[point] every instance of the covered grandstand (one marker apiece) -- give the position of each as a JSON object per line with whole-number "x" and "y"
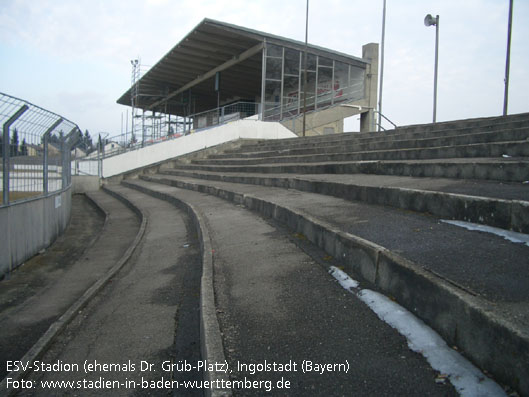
{"x": 221, "y": 72}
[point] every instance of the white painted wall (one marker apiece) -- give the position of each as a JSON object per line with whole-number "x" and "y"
{"x": 248, "y": 129}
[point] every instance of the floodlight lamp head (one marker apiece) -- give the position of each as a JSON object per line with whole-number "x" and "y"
{"x": 429, "y": 20}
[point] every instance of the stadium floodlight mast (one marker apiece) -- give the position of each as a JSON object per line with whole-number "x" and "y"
{"x": 507, "y": 61}
{"x": 431, "y": 21}
{"x": 381, "y": 66}
{"x": 305, "y": 67}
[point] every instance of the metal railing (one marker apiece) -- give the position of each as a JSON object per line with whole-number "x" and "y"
{"x": 35, "y": 149}
{"x": 193, "y": 123}
{"x": 223, "y": 114}
{"x": 292, "y": 107}
{"x": 385, "y": 118}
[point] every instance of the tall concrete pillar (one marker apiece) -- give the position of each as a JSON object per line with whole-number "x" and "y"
{"x": 367, "y": 119}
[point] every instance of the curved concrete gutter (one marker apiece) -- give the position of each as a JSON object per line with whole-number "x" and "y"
{"x": 38, "y": 349}
{"x": 462, "y": 319}
{"x": 212, "y": 349}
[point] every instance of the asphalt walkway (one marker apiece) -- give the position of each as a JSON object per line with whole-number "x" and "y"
{"x": 148, "y": 313}
{"x": 39, "y": 292}
{"x": 275, "y": 303}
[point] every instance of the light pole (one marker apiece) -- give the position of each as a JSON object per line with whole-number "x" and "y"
{"x": 305, "y": 67}
{"x": 381, "y": 66}
{"x": 429, "y": 21}
{"x": 507, "y": 61}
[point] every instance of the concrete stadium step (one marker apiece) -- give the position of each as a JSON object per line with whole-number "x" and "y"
{"x": 275, "y": 303}
{"x": 149, "y": 312}
{"x": 28, "y": 317}
{"x": 402, "y": 133}
{"x": 471, "y": 123}
{"x": 471, "y": 287}
{"x": 496, "y": 204}
{"x": 500, "y": 169}
{"x": 353, "y": 144}
{"x": 497, "y": 150}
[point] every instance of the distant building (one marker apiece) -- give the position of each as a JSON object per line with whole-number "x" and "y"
{"x": 34, "y": 150}
{"x": 77, "y": 153}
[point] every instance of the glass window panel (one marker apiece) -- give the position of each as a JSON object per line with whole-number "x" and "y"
{"x": 311, "y": 62}
{"x": 356, "y": 82}
{"x": 325, "y": 61}
{"x": 273, "y": 68}
{"x": 291, "y": 93}
{"x": 272, "y": 91}
{"x": 274, "y": 50}
{"x": 325, "y": 86}
{"x": 291, "y": 61}
{"x": 272, "y": 98}
{"x": 341, "y": 81}
{"x": 311, "y": 88}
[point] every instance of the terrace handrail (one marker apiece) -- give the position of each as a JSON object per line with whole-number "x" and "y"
{"x": 388, "y": 120}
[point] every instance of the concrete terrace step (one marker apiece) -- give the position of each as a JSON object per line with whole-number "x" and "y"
{"x": 474, "y": 122}
{"x": 376, "y": 141}
{"x": 407, "y": 132}
{"x": 501, "y": 169}
{"x": 521, "y": 135}
{"x": 269, "y": 293}
{"x": 491, "y": 203}
{"x": 498, "y": 150}
{"x": 476, "y": 298}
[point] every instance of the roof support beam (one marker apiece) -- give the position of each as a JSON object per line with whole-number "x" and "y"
{"x": 235, "y": 60}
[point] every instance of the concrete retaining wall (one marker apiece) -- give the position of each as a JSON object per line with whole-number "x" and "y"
{"x": 246, "y": 129}
{"x": 29, "y": 226}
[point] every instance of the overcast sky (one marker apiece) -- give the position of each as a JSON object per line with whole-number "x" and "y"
{"x": 73, "y": 56}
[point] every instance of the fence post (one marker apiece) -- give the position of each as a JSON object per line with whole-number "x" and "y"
{"x": 6, "y": 154}
{"x": 45, "y": 165}
{"x": 71, "y": 139}
{"x": 45, "y": 155}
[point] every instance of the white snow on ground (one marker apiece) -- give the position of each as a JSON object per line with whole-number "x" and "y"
{"x": 345, "y": 281}
{"x": 466, "y": 378}
{"x": 506, "y": 234}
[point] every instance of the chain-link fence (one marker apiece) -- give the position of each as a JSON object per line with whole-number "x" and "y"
{"x": 35, "y": 146}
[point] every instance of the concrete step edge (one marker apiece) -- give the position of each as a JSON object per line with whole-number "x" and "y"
{"x": 501, "y": 213}
{"x": 507, "y": 171}
{"x": 495, "y": 149}
{"x": 521, "y": 120}
{"x": 373, "y": 141}
{"x": 465, "y": 123}
{"x": 490, "y": 341}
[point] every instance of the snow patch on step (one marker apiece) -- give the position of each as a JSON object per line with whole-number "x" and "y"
{"x": 466, "y": 378}
{"x": 514, "y": 237}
